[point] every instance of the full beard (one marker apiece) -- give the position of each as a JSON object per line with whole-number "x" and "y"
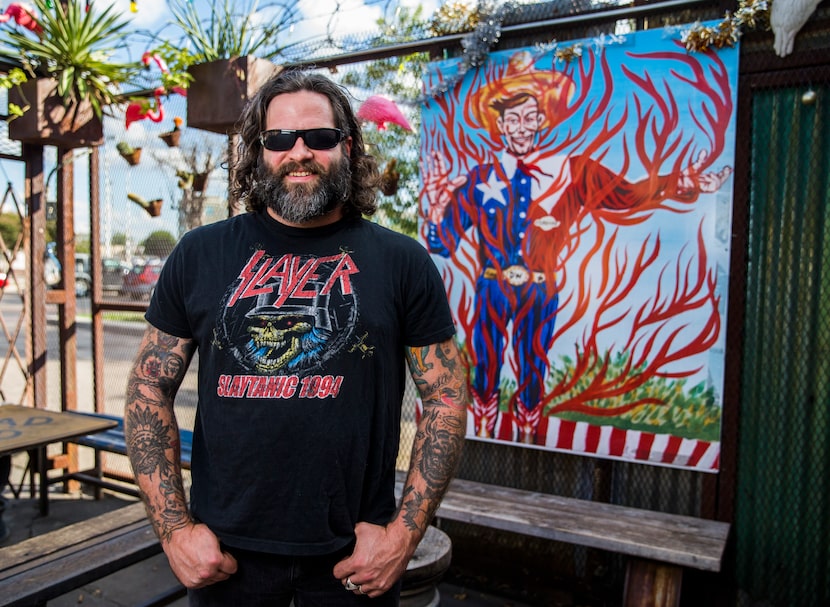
{"x": 301, "y": 202}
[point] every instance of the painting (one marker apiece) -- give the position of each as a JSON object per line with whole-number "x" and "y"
{"x": 577, "y": 199}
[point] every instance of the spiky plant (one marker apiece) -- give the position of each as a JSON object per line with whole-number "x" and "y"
{"x": 233, "y": 29}
{"x": 76, "y": 47}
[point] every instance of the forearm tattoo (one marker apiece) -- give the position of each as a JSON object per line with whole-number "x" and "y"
{"x": 151, "y": 430}
{"x": 440, "y": 374}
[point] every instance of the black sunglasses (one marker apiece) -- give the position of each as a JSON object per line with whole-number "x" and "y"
{"x": 282, "y": 140}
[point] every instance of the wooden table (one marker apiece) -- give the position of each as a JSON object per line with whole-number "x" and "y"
{"x": 30, "y": 429}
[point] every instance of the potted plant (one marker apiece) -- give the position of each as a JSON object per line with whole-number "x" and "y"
{"x": 68, "y": 55}
{"x": 14, "y": 78}
{"x": 198, "y": 168}
{"x": 129, "y": 153}
{"x": 153, "y": 207}
{"x": 230, "y": 51}
{"x": 188, "y": 180}
{"x": 172, "y": 138}
{"x": 389, "y": 178}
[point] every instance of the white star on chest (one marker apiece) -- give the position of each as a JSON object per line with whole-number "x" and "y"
{"x": 493, "y": 189}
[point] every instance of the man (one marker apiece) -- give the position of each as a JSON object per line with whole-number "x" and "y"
{"x": 523, "y": 208}
{"x": 301, "y": 312}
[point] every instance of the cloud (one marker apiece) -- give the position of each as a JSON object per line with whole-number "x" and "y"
{"x": 321, "y": 18}
{"x": 151, "y": 14}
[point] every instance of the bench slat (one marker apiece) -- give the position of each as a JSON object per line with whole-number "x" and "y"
{"x": 113, "y": 441}
{"x": 670, "y": 538}
{"x": 52, "y": 564}
{"x": 47, "y": 566}
{"x": 62, "y": 540}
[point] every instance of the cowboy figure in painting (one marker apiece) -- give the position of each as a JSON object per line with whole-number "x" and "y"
{"x": 523, "y": 206}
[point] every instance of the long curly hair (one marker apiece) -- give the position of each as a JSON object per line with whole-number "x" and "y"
{"x": 365, "y": 177}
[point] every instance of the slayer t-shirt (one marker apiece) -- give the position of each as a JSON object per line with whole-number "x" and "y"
{"x": 301, "y": 336}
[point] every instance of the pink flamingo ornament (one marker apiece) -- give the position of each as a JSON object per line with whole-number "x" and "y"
{"x": 382, "y": 111}
{"x": 24, "y": 16}
{"x": 140, "y": 110}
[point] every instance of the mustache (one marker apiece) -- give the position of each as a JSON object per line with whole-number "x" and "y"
{"x": 311, "y": 166}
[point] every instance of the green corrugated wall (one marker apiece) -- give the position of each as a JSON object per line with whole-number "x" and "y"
{"x": 782, "y": 521}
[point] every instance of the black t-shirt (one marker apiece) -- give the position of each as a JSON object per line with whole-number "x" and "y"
{"x": 301, "y": 336}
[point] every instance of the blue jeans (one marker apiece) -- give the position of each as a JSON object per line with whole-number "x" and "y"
{"x": 270, "y": 580}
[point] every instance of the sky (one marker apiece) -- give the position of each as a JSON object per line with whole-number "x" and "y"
{"x": 339, "y": 17}
{"x": 344, "y": 17}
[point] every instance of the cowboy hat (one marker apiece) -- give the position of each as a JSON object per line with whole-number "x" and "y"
{"x": 552, "y": 91}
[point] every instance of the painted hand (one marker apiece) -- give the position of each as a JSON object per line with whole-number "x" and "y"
{"x": 438, "y": 187}
{"x": 692, "y": 179}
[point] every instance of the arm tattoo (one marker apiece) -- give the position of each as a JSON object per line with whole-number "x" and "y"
{"x": 440, "y": 374}
{"x": 151, "y": 430}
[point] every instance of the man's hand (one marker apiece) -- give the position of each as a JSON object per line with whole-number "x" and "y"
{"x": 379, "y": 558}
{"x": 437, "y": 186}
{"x": 692, "y": 179}
{"x": 196, "y": 558}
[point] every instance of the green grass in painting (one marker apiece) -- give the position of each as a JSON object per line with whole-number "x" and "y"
{"x": 682, "y": 411}
{"x": 689, "y": 415}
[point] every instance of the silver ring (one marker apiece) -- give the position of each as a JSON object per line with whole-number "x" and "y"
{"x": 360, "y": 589}
{"x": 350, "y": 586}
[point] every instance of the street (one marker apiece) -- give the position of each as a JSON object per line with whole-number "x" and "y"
{"x": 121, "y": 342}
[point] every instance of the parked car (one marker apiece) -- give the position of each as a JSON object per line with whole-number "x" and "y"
{"x": 52, "y": 270}
{"x": 112, "y": 275}
{"x": 140, "y": 281}
{"x": 83, "y": 281}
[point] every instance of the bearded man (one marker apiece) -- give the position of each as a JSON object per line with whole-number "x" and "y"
{"x": 304, "y": 315}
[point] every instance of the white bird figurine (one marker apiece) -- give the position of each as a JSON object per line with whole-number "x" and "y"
{"x": 786, "y": 18}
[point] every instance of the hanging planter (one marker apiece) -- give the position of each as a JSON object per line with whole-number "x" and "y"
{"x": 234, "y": 81}
{"x": 129, "y": 153}
{"x": 69, "y": 45}
{"x": 52, "y": 121}
{"x": 172, "y": 138}
{"x": 153, "y": 207}
{"x": 192, "y": 181}
{"x": 133, "y": 158}
{"x": 389, "y": 178}
{"x": 200, "y": 181}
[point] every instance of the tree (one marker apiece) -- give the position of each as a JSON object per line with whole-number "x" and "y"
{"x": 159, "y": 244}
{"x": 398, "y": 78}
{"x": 82, "y": 244}
{"x": 119, "y": 239}
{"x": 10, "y": 228}
{"x": 188, "y": 165}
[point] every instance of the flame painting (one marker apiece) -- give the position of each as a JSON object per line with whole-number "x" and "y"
{"x": 577, "y": 200}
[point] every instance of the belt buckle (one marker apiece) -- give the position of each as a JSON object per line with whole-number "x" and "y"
{"x": 516, "y": 275}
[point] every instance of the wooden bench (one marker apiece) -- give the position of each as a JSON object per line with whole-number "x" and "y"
{"x": 659, "y": 545}
{"x": 113, "y": 441}
{"x": 44, "y": 567}
{"x": 47, "y": 566}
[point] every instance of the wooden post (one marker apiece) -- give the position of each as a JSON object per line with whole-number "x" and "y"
{"x": 35, "y": 286}
{"x": 652, "y": 584}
